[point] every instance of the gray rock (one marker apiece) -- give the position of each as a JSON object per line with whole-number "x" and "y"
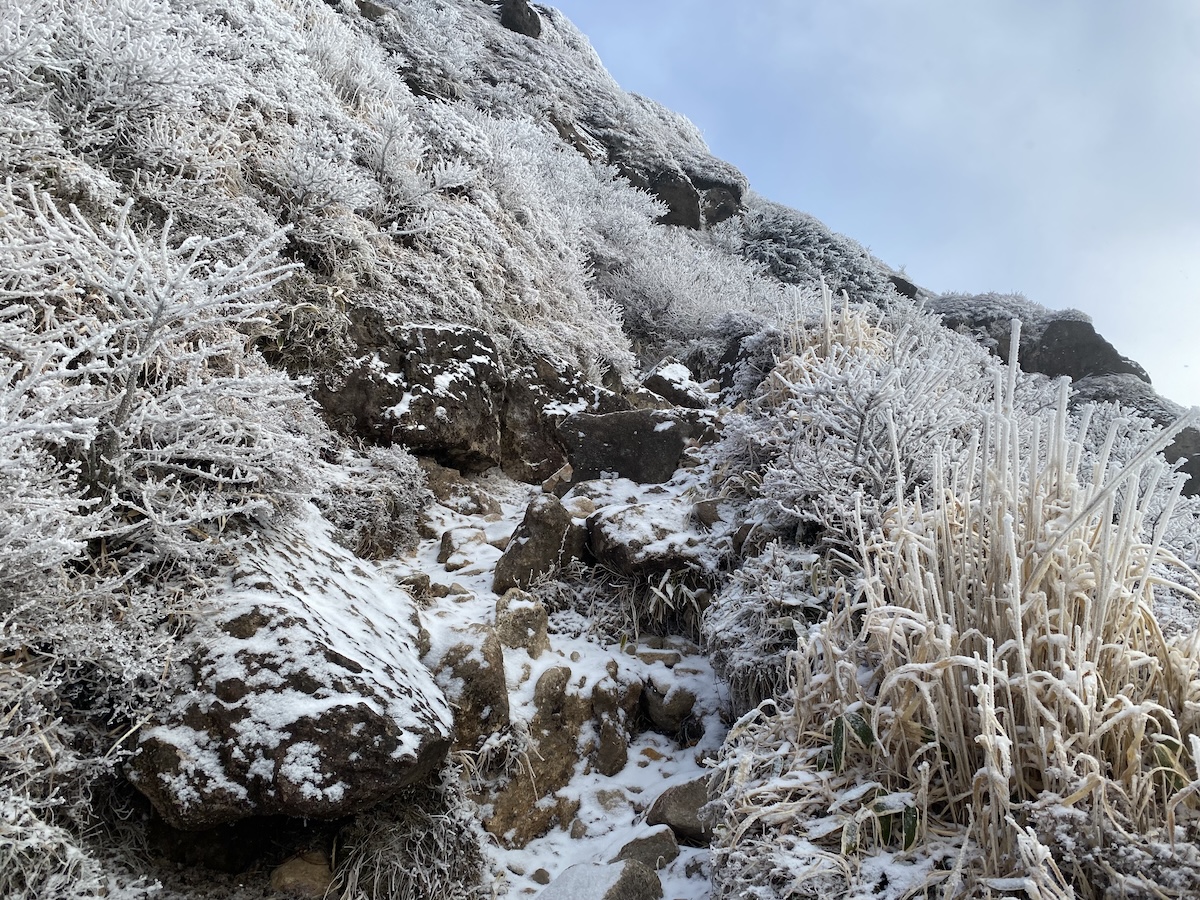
{"x": 667, "y": 709}
{"x": 547, "y": 539}
{"x": 518, "y": 16}
{"x": 626, "y": 880}
{"x": 654, "y": 849}
{"x": 679, "y": 806}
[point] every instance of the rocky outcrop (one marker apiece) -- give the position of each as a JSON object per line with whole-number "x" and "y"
{"x": 437, "y": 389}
{"x": 654, "y": 849}
{"x": 673, "y": 381}
{"x": 298, "y": 706}
{"x": 518, "y": 16}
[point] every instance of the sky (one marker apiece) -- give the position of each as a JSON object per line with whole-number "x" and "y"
{"x": 1046, "y": 148}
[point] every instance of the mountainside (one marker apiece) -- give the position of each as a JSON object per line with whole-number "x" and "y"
{"x": 427, "y": 472}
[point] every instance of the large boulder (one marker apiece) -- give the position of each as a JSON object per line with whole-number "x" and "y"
{"x": 673, "y": 381}
{"x": 438, "y": 389}
{"x": 646, "y": 446}
{"x": 646, "y": 539}
{"x": 307, "y": 698}
{"x": 538, "y": 396}
{"x": 519, "y": 16}
{"x": 547, "y": 539}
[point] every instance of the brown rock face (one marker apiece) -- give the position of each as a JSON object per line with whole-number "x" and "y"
{"x": 472, "y": 674}
{"x": 679, "y": 806}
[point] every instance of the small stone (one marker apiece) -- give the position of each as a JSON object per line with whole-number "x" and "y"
{"x": 669, "y": 658}
{"x": 306, "y": 876}
{"x": 578, "y": 830}
{"x": 540, "y": 876}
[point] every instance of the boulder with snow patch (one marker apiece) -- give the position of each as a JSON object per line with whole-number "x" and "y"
{"x": 647, "y": 539}
{"x": 624, "y": 880}
{"x": 646, "y": 446}
{"x": 537, "y": 397}
{"x": 654, "y": 849}
{"x": 471, "y": 673}
{"x": 521, "y": 623}
{"x": 547, "y": 539}
{"x": 679, "y": 806}
{"x": 527, "y": 806}
{"x": 307, "y": 699}
{"x": 615, "y": 705}
{"x": 460, "y": 547}
{"x": 438, "y": 389}
{"x": 673, "y": 381}
{"x": 666, "y": 704}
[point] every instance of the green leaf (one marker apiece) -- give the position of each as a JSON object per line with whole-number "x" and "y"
{"x": 910, "y": 827}
{"x": 861, "y": 728}
{"x": 839, "y": 745}
{"x": 885, "y": 829}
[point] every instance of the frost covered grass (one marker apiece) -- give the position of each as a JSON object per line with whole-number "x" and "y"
{"x": 990, "y": 704}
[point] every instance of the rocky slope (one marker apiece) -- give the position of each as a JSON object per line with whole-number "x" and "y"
{"x": 426, "y": 471}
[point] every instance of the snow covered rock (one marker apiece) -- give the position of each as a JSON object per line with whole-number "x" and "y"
{"x": 547, "y": 539}
{"x": 521, "y": 622}
{"x": 645, "y": 446}
{"x": 653, "y": 849}
{"x": 537, "y": 397}
{"x": 625, "y": 880}
{"x": 1053, "y": 342}
{"x": 679, "y": 806}
{"x": 673, "y": 381}
{"x": 308, "y": 697}
{"x": 471, "y": 672}
{"x": 645, "y": 539}
{"x": 438, "y": 389}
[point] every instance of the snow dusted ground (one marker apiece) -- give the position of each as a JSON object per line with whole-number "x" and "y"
{"x": 611, "y": 809}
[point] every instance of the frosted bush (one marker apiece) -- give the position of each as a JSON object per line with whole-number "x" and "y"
{"x": 996, "y": 662}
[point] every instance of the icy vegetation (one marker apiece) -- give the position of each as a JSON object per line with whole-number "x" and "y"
{"x": 896, "y": 620}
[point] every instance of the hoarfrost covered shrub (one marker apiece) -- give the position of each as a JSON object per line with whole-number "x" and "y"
{"x": 375, "y": 499}
{"x": 857, "y": 396}
{"x": 801, "y": 250}
{"x": 992, "y": 707}
{"x": 426, "y": 844}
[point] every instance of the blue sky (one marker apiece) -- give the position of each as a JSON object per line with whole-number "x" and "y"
{"x": 1014, "y": 145}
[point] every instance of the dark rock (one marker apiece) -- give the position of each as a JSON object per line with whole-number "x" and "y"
{"x": 682, "y": 200}
{"x": 296, "y": 706}
{"x": 472, "y": 675}
{"x": 547, "y": 539}
{"x": 518, "y": 16}
{"x": 679, "y": 806}
{"x": 625, "y": 880}
{"x": 371, "y": 10}
{"x": 904, "y": 287}
{"x": 521, "y": 622}
{"x": 720, "y": 199}
{"x": 644, "y": 539}
{"x": 642, "y": 445}
{"x": 438, "y": 389}
{"x": 538, "y": 396}
{"x": 654, "y": 849}
{"x": 667, "y": 706}
{"x": 1072, "y": 347}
